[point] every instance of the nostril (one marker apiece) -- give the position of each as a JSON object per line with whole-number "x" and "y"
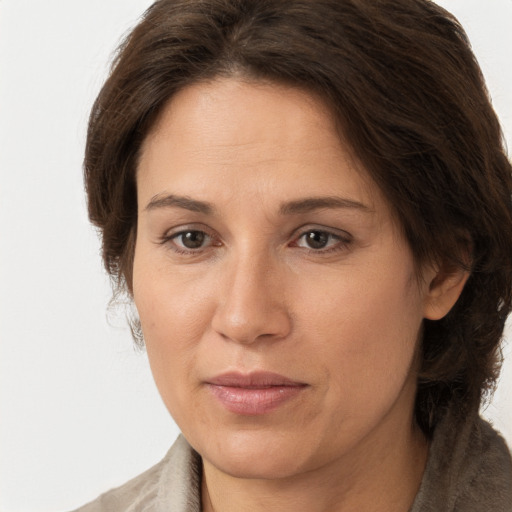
{"x": 251, "y": 324}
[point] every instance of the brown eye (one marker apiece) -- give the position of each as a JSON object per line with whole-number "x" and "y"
{"x": 323, "y": 241}
{"x": 317, "y": 239}
{"x": 191, "y": 239}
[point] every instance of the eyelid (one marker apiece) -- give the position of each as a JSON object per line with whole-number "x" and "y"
{"x": 307, "y": 228}
{"x": 181, "y": 228}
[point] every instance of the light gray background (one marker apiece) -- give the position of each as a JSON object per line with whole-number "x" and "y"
{"x": 79, "y": 411}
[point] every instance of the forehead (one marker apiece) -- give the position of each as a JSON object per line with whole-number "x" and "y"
{"x": 227, "y": 101}
{"x": 254, "y": 135}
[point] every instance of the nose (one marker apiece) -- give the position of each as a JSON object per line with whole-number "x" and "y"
{"x": 252, "y": 302}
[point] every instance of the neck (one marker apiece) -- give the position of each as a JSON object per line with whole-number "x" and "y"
{"x": 376, "y": 476}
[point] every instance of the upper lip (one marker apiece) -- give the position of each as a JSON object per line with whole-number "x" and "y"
{"x": 253, "y": 380}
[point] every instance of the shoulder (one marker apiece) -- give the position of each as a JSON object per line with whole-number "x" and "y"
{"x": 171, "y": 485}
{"x": 469, "y": 469}
{"x": 488, "y": 472}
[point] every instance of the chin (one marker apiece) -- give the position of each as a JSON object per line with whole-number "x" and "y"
{"x": 255, "y": 455}
{"x": 264, "y": 467}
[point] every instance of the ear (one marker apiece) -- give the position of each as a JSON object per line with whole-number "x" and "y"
{"x": 444, "y": 289}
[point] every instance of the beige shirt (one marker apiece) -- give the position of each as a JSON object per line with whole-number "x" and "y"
{"x": 469, "y": 469}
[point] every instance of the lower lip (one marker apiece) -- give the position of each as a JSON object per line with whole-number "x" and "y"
{"x": 254, "y": 401}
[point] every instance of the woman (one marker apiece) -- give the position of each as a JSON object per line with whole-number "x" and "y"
{"x": 309, "y": 204}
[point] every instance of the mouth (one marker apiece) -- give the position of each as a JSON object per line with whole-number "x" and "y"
{"x": 255, "y": 393}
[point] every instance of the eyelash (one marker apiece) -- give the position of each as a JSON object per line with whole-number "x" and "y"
{"x": 342, "y": 241}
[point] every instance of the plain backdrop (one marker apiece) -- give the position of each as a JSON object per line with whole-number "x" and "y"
{"x": 79, "y": 412}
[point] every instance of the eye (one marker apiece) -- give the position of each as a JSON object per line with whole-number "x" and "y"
{"x": 191, "y": 239}
{"x": 321, "y": 240}
{"x": 316, "y": 239}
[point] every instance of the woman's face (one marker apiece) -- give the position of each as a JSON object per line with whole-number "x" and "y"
{"x": 278, "y": 299}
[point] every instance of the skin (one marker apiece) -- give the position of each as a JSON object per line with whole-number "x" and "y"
{"x": 343, "y": 316}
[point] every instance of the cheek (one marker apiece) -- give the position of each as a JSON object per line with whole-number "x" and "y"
{"x": 169, "y": 300}
{"x": 366, "y": 330}
{"x": 174, "y": 312}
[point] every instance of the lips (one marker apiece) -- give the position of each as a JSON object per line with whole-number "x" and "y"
{"x": 255, "y": 393}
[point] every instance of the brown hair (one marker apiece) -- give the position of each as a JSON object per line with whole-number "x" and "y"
{"x": 400, "y": 77}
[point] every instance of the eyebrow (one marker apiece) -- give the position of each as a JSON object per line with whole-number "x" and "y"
{"x": 296, "y": 207}
{"x": 185, "y": 202}
{"x": 310, "y": 204}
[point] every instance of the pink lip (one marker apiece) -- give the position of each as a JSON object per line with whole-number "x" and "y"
{"x": 255, "y": 393}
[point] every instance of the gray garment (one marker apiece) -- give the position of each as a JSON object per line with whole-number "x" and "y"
{"x": 469, "y": 469}
{"x": 172, "y": 485}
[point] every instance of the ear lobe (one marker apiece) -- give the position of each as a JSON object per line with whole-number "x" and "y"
{"x": 444, "y": 290}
